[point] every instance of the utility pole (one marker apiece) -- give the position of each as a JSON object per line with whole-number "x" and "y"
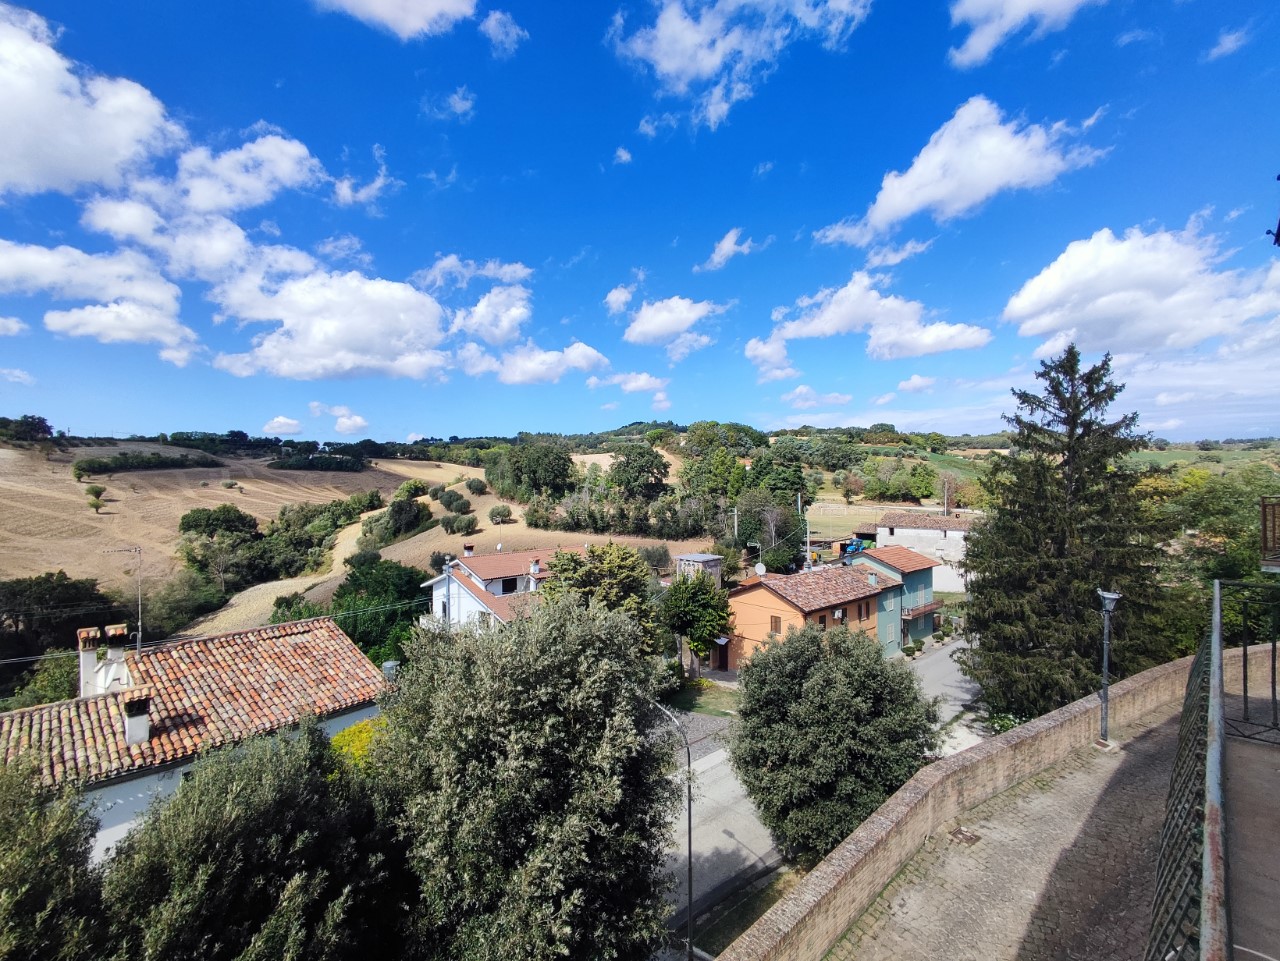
{"x": 735, "y": 524}
{"x": 138, "y": 571}
{"x": 808, "y": 555}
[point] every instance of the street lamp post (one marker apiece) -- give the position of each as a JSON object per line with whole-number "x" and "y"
{"x": 1109, "y": 600}
{"x": 688, "y": 753}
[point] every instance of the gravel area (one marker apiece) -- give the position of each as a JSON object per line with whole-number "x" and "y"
{"x": 704, "y": 731}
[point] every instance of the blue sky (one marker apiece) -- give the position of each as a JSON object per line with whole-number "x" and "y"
{"x": 390, "y": 218}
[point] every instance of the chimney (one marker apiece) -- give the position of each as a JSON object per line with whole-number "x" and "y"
{"x": 87, "y": 638}
{"x": 468, "y": 550}
{"x": 390, "y": 669}
{"x": 137, "y": 716}
{"x": 534, "y": 568}
{"x": 113, "y": 675}
{"x": 871, "y": 578}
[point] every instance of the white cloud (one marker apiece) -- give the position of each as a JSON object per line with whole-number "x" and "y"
{"x": 15, "y": 376}
{"x": 530, "y": 364}
{"x": 1162, "y": 292}
{"x": 246, "y": 176}
{"x": 452, "y": 270}
{"x": 333, "y": 325}
{"x": 991, "y": 22}
{"x": 805, "y": 397}
{"x": 504, "y": 34}
{"x": 895, "y": 326}
{"x": 883, "y": 399}
{"x": 622, "y": 156}
{"x": 344, "y": 247}
{"x": 405, "y": 18}
{"x": 10, "y": 326}
{"x": 633, "y": 383}
{"x": 651, "y": 126}
{"x": 282, "y": 425}
{"x": 890, "y": 256}
{"x": 459, "y": 105}
{"x": 668, "y": 321}
{"x": 497, "y": 317}
{"x": 715, "y": 51}
{"x": 617, "y": 299}
{"x": 763, "y": 168}
{"x": 1134, "y": 36}
{"x": 347, "y": 421}
{"x": 1229, "y": 41}
{"x": 661, "y": 401}
{"x": 412, "y": 437}
{"x": 1165, "y": 398}
{"x": 65, "y": 126}
{"x": 917, "y": 383}
{"x": 968, "y": 160}
{"x": 612, "y": 405}
{"x": 123, "y": 219}
{"x": 727, "y": 248}
{"x": 134, "y": 302}
{"x": 346, "y": 193}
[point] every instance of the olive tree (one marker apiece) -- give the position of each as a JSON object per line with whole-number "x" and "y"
{"x": 827, "y": 730}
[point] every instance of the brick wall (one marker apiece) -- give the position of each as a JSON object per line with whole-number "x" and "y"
{"x": 804, "y": 925}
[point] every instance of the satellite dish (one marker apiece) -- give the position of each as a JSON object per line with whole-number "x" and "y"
{"x": 499, "y": 548}
{"x": 760, "y": 569}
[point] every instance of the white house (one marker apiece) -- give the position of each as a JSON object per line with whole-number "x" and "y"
{"x": 940, "y": 536}
{"x": 481, "y": 588}
{"x": 142, "y": 717}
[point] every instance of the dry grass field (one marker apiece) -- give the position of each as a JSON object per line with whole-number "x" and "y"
{"x": 47, "y": 525}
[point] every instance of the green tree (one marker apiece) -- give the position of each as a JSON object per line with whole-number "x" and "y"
{"x": 54, "y": 679}
{"x": 697, "y": 610}
{"x": 96, "y": 503}
{"x": 614, "y": 576}
{"x": 50, "y": 897}
{"x": 223, "y": 519}
{"x": 531, "y": 770}
{"x": 539, "y": 467}
{"x": 776, "y": 528}
{"x": 639, "y": 471}
{"x": 268, "y": 850}
{"x": 413, "y": 487}
{"x": 1064, "y": 520}
{"x": 95, "y": 490}
{"x": 828, "y": 729}
{"x": 499, "y": 514}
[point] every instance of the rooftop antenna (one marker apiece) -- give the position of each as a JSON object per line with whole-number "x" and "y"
{"x": 1275, "y": 234}
{"x": 138, "y": 551}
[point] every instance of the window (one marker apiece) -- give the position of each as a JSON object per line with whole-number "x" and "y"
{"x": 508, "y": 585}
{"x": 775, "y": 624}
{"x": 890, "y": 531}
{"x": 842, "y": 613}
{"x": 822, "y": 622}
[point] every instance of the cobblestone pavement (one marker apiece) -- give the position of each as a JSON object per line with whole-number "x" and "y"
{"x": 1061, "y": 866}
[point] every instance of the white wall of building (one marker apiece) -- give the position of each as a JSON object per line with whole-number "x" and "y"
{"x": 948, "y": 549}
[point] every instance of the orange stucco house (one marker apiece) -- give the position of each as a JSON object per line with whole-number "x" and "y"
{"x": 761, "y": 607}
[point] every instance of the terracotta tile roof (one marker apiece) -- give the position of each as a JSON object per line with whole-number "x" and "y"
{"x": 902, "y": 559}
{"x": 821, "y": 588}
{"x": 926, "y": 521}
{"x": 487, "y": 567}
{"x": 204, "y": 692}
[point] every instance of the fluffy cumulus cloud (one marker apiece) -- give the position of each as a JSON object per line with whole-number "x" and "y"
{"x": 130, "y": 300}
{"x": 336, "y": 324}
{"x": 971, "y": 158}
{"x": 405, "y": 18}
{"x": 727, "y": 248}
{"x": 668, "y": 322}
{"x": 85, "y": 129}
{"x": 991, "y": 22}
{"x": 281, "y": 425}
{"x": 636, "y": 383}
{"x": 1160, "y": 293}
{"x": 805, "y": 397}
{"x": 714, "y": 52}
{"x": 346, "y": 421}
{"x": 10, "y": 326}
{"x": 451, "y": 270}
{"x": 895, "y": 327}
{"x": 616, "y": 300}
{"x": 622, "y": 156}
{"x": 917, "y": 383}
{"x": 247, "y": 176}
{"x": 503, "y": 33}
{"x": 497, "y": 317}
{"x": 529, "y": 363}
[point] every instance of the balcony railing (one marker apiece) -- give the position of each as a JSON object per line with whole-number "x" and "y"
{"x": 910, "y": 613}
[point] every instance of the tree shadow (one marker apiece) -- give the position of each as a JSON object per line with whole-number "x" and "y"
{"x": 717, "y": 875}
{"x": 1096, "y": 903}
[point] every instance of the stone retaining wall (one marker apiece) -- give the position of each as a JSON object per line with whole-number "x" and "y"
{"x": 805, "y": 924}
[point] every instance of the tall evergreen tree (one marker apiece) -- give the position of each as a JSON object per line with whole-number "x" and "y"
{"x": 1064, "y": 520}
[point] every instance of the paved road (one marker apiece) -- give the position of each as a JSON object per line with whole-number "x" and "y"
{"x": 940, "y": 677}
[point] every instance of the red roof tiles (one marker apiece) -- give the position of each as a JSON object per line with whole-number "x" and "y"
{"x": 821, "y": 588}
{"x": 204, "y": 692}
{"x": 487, "y": 567}
{"x": 926, "y": 521}
{"x": 902, "y": 559}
